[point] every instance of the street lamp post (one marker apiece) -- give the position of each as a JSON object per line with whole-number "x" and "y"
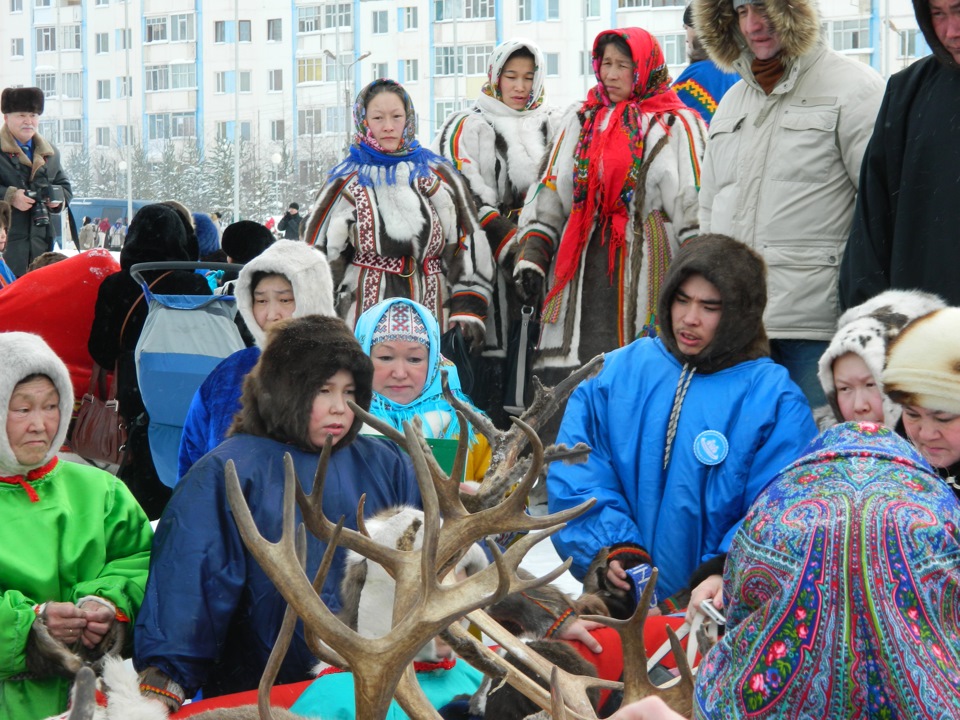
{"x": 343, "y": 71}
{"x": 276, "y": 159}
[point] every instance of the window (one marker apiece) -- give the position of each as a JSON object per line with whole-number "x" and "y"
{"x": 183, "y": 125}
{"x": 48, "y": 83}
{"x": 586, "y": 63}
{"x": 444, "y": 61}
{"x": 246, "y": 78}
{"x": 309, "y": 69}
{"x": 308, "y": 121}
{"x": 49, "y": 130}
{"x": 275, "y": 78}
{"x": 124, "y": 133}
{"x": 593, "y": 8}
{"x": 70, "y": 37}
{"x": 158, "y": 126}
{"x": 442, "y": 109}
{"x": 476, "y": 57}
{"x": 72, "y": 87}
{"x": 220, "y": 31}
{"x": 16, "y": 6}
{"x": 72, "y": 131}
{"x": 103, "y": 89}
{"x": 331, "y": 67}
{"x": 411, "y": 70}
{"x": 222, "y": 130}
{"x": 41, "y": 3}
{"x": 245, "y": 31}
{"x": 474, "y": 9}
{"x": 411, "y": 19}
{"x": 46, "y": 39}
{"x": 156, "y": 30}
{"x": 380, "y": 22}
{"x": 245, "y": 131}
{"x": 337, "y": 15}
{"x": 182, "y": 28}
{"x": 156, "y": 77}
{"x": 851, "y": 34}
{"x": 276, "y": 130}
{"x": 553, "y": 9}
{"x": 308, "y": 18}
{"x": 103, "y": 136}
{"x": 908, "y": 43}
{"x": 102, "y": 43}
{"x": 102, "y": 3}
{"x": 183, "y": 76}
{"x": 275, "y": 30}
{"x": 552, "y": 61}
{"x": 124, "y": 86}
{"x": 223, "y": 81}
{"x": 380, "y": 71}
{"x": 674, "y": 48}
{"x": 650, "y": 3}
{"x": 16, "y": 47}
{"x": 308, "y": 172}
{"x": 524, "y": 10}
{"x": 124, "y": 39}
{"x": 335, "y": 122}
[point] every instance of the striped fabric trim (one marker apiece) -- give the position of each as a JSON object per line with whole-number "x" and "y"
{"x": 694, "y": 160}
{"x": 455, "y": 156}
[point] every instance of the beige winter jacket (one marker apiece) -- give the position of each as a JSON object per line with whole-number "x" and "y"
{"x": 781, "y": 171}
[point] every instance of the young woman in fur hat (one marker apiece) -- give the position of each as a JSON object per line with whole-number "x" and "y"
{"x": 617, "y": 197}
{"x": 396, "y": 220}
{"x": 923, "y": 376}
{"x": 76, "y": 545}
{"x": 288, "y": 279}
{"x": 211, "y": 615}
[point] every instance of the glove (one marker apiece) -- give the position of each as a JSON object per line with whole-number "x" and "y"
{"x": 529, "y": 286}
{"x": 475, "y": 336}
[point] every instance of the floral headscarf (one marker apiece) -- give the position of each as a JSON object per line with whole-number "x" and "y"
{"x": 498, "y": 58}
{"x": 607, "y": 160}
{"x": 431, "y": 398}
{"x": 843, "y": 585}
{"x": 374, "y": 165}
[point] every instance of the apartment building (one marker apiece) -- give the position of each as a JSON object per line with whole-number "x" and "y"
{"x": 284, "y": 75}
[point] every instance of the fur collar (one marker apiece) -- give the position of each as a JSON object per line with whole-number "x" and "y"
{"x": 25, "y": 354}
{"x": 304, "y": 268}
{"x": 41, "y": 150}
{"x": 797, "y": 22}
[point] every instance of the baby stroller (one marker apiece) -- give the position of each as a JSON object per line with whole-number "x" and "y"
{"x": 184, "y": 338}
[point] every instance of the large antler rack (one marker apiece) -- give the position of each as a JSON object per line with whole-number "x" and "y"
{"x": 423, "y": 607}
{"x": 506, "y": 465}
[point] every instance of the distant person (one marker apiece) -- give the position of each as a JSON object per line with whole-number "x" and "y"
{"x": 88, "y": 235}
{"x": 702, "y": 83}
{"x": 289, "y": 224}
{"x": 118, "y": 234}
{"x": 29, "y": 164}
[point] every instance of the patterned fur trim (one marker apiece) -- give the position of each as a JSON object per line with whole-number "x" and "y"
{"x": 797, "y": 22}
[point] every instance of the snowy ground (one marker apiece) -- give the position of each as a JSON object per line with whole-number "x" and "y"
{"x": 542, "y": 558}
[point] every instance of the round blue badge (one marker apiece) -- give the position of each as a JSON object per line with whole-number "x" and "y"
{"x": 711, "y": 447}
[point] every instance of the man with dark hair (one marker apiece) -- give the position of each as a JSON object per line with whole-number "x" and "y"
{"x": 905, "y": 224}
{"x": 703, "y": 82}
{"x": 31, "y": 178}
{"x": 289, "y": 224}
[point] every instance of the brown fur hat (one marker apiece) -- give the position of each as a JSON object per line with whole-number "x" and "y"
{"x": 718, "y": 28}
{"x": 301, "y": 355}
{"x": 740, "y": 276}
{"x": 6, "y": 213}
{"x": 923, "y": 363}
{"x": 14, "y": 100}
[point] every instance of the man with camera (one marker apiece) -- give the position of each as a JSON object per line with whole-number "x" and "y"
{"x": 31, "y": 178}
{"x": 289, "y": 224}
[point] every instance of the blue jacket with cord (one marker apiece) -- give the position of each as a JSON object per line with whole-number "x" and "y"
{"x": 688, "y": 512}
{"x": 211, "y": 615}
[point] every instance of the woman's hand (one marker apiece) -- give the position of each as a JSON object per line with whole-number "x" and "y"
{"x": 580, "y": 630}
{"x": 651, "y": 708}
{"x": 65, "y": 621}
{"x": 100, "y": 619}
{"x": 529, "y": 286}
{"x": 473, "y": 333}
{"x": 710, "y": 590}
{"x": 617, "y": 576}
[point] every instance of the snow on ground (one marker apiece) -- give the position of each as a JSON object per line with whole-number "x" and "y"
{"x": 543, "y": 558}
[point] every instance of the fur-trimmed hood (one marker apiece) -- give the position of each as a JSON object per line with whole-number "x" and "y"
{"x": 304, "y": 267}
{"x": 796, "y": 21}
{"x": 26, "y": 354}
{"x": 923, "y": 363}
{"x": 301, "y": 355}
{"x": 866, "y": 330}
{"x": 740, "y": 276}
{"x": 922, "y": 10}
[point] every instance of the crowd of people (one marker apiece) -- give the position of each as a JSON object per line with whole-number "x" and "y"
{"x": 760, "y": 251}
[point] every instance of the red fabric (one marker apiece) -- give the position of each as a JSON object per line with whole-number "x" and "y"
{"x": 607, "y": 161}
{"x": 34, "y": 474}
{"x": 280, "y": 696}
{"x": 57, "y": 302}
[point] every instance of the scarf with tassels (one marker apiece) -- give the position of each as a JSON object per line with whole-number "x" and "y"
{"x": 609, "y": 152}
{"x": 25, "y": 480}
{"x": 369, "y": 161}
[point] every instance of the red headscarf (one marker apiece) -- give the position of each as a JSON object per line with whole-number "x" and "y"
{"x": 607, "y": 161}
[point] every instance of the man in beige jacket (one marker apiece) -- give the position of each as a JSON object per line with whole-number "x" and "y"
{"x": 782, "y": 163}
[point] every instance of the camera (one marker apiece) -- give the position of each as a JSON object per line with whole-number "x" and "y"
{"x": 44, "y": 196}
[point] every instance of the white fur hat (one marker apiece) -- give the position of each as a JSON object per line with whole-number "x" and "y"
{"x": 306, "y": 270}
{"x": 23, "y": 355}
{"x": 866, "y": 330}
{"x": 923, "y": 363}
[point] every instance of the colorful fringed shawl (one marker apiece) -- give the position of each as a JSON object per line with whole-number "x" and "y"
{"x": 842, "y": 588}
{"x": 371, "y": 163}
{"x": 609, "y": 152}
